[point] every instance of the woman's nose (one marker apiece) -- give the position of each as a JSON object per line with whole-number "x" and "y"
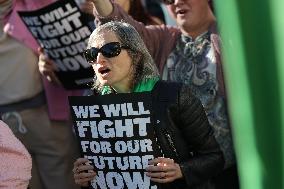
{"x": 100, "y": 58}
{"x": 177, "y": 2}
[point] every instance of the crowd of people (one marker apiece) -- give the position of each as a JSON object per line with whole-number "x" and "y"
{"x": 131, "y": 50}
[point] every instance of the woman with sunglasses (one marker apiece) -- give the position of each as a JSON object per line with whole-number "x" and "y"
{"x": 122, "y": 64}
{"x": 191, "y": 54}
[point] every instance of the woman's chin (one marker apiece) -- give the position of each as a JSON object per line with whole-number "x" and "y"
{"x": 104, "y": 82}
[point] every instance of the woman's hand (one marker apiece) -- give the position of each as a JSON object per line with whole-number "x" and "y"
{"x": 47, "y": 67}
{"x": 83, "y": 172}
{"x": 163, "y": 170}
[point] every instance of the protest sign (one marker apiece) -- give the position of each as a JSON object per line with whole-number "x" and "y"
{"x": 63, "y": 31}
{"x": 116, "y": 133}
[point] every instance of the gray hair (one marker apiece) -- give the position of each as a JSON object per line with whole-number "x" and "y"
{"x": 144, "y": 67}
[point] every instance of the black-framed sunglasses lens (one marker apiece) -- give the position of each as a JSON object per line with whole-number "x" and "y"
{"x": 109, "y": 50}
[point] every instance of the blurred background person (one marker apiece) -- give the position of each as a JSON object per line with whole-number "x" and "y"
{"x": 15, "y": 161}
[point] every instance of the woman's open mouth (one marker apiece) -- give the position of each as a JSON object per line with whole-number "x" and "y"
{"x": 181, "y": 12}
{"x": 104, "y": 71}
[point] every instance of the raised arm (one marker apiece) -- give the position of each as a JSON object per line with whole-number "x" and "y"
{"x": 103, "y": 7}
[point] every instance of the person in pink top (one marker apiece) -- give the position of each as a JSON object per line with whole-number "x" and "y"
{"x": 15, "y": 161}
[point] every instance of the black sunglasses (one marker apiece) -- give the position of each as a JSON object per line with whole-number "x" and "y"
{"x": 109, "y": 50}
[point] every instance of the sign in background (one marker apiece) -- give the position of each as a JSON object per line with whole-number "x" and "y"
{"x": 63, "y": 31}
{"x": 253, "y": 49}
{"x": 116, "y": 134}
